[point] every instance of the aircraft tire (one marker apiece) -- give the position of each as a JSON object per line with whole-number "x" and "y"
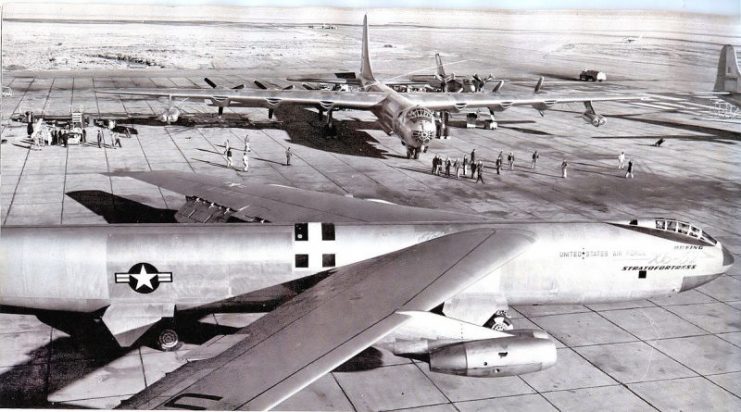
{"x": 168, "y": 340}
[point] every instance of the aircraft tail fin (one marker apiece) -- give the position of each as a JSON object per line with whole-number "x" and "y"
{"x": 366, "y": 73}
{"x": 728, "y": 78}
{"x": 440, "y": 67}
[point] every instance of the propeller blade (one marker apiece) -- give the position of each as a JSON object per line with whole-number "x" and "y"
{"x": 308, "y": 86}
{"x": 210, "y": 83}
{"x": 270, "y": 113}
{"x": 238, "y": 87}
{"x": 498, "y": 87}
{"x": 539, "y": 85}
{"x": 288, "y": 87}
{"x": 221, "y": 110}
{"x": 261, "y": 85}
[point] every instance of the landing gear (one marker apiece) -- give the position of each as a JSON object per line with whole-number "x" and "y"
{"x": 500, "y": 321}
{"x": 330, "y": 130}
{"x": 442, "y": 130}
{"x": 413, "y": 153}
{"x": 167, "y": 340}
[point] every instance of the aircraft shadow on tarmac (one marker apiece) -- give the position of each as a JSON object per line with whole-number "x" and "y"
{"x": 66, "y": 360}
{"x": 117, "y": 209}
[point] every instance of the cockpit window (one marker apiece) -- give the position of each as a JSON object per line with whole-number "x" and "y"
{"x": 660, "y": 224}
{"x": 670, "y": 225}
{"x": 684, "y": 228}
{"x": 420, "y": 112}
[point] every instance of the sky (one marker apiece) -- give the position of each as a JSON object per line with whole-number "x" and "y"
{"x": 725, "y": 7}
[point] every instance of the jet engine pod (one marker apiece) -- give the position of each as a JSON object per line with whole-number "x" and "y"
{"x": 594, "y": 119}
{"x": 506, "y": 356}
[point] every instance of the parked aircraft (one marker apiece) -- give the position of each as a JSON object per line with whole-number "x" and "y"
{"x": 427, "y": 284}
{"x": 728, "y": 79}
{"x": 410, "y": 116}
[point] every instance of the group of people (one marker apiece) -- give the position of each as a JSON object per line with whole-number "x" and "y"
{"x": 438, "y": 164}
{"x": 245, "y": 155}
{"x": 477, "y": 168}
{"x": 115, "y": 139}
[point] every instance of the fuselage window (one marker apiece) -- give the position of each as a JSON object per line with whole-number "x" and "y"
{"x": 301, "y": 231}
{"x": 328, "y": 231}
{"x": 641, "y": 274}
{"x": 328, "y": 260}
{"x": 302, "y": 261}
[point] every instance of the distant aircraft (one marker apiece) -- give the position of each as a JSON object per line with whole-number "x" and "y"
{"x": 449, "y": 82}
{"x": 423, "y": 283}
{"x": 728, "y": 79}
{"x": 410, "y": 116}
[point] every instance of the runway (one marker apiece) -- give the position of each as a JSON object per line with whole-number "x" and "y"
{"x": 671, "y": 353}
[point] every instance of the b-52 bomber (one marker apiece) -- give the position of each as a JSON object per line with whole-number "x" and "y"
{"x": 411, "y": 116}
{"x": 346, "y": 274}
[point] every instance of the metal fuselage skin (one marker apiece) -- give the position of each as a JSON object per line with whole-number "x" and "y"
{"x": 393, "y": 114}
{"x": 85, "y": 268}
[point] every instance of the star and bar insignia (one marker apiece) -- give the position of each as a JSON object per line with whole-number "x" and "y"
{"x": 143, "y": 278}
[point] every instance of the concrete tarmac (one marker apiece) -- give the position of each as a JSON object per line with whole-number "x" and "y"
{"x": 671, "y": 353}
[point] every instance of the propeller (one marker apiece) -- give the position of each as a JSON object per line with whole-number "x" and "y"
{"x": 498, "y": 87}
{"x": 172, "y": 113}
{"x": 214, "y": 85}
{"x": 479, "y": 83}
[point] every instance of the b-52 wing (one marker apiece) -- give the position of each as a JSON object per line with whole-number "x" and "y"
{"x": 287, "y": 349}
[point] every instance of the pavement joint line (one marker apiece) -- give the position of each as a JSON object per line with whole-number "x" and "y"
{"x": 434, "y": 385}
{"x": 421, "y": 407}
{"x": 665, "y": 354}
{"x": 167, "y": 130}
{"x": 344, "y": 393}
{"x": 313, "y": 167}
{"x": 20, "y": 173}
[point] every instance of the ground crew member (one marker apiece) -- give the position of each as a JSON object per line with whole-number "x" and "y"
{"x": 226, "y": 146}
{"x": 288, "y": 156}
{"x": 536, "y": 156}
{"x": 457, "y": 166}
{"x": 564, "y": 167}
{"x": 480, "y": 168}
{"x": 473, "y": 156}
{"x": 245, "y": 160}
{"x": 499, "y": 165}
{"x": 448, "y": 163}
{"x": 118, "y": 140}
{"x": 511, "y": 160}
{"x": 465, "y": 165}
{"x": 473, "y": 169}
{"x": 629, "y": 173}
{"x": 229, "y": 157}
{"x": 621, "y": 160}
{"x": 100, "y": 137}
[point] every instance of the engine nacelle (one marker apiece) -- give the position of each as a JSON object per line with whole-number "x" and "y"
{"x": 594, "y": 119}
{"x": 527, "y": 351}
{"x": 170, "y": 115}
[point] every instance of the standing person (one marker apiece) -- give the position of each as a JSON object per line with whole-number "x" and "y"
{"x": 457, "y": 167}
{"x": 621, "y": 160}
{"x": 439, "y": 167}
{"x": 480, "y": 168}
{"x": 229, "y": 158}
{"x": 434, "y": 164}
{"x": 473, "y": 169}
{"x": 465, "y": 165}
{"x": 447, "y": 166}
{"x": 245, "y": 160}
{"x": 564, "y": 167}
{"x": 117, "y": 136}
{"x": 226, "y": 146}
{"x": 501, "y": 156}
{"x": 100, "y": 137}
{"x": 499, "y": 166}
{"x": 29, "y": 128}
{"x": 536, "y": 156}
{"x": 247, "y": 147}
{"x": 629, "y": 173}
{"x": 473, "y": 156}
{"x": 288, "y": 156}
{"x": 511, "y": 160}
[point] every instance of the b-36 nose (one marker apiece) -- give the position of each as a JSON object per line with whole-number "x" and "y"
{"x": 727, "y": 258}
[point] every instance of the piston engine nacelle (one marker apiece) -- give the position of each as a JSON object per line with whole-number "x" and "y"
{"x": 527, "y": 351}
{"x": 594, "y": 119}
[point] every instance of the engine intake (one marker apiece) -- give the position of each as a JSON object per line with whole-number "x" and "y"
{"x": 527, "y": 351}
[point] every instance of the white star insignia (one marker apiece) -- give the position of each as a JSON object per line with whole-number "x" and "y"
{"x": 144, "y": 279}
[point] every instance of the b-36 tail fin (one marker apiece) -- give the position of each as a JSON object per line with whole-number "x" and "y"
{"x": 366, "y": 73}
